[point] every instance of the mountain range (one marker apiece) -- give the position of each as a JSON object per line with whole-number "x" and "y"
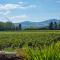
{"x": 28, "y": 24}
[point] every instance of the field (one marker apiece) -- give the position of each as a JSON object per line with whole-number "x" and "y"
{"x": 32, "y": 45}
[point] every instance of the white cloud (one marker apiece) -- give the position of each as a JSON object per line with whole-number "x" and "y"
{"x": 4, "y": 12}
{"x": 5, "y": 9}
{"x": 18, "y": 18}
{"x": 7, "y": 12}
{"x": 14, "y": 18}
{"x": 21, "y": 17}
{"x": 14, "y": 6}
{"x": 8, "y": 6}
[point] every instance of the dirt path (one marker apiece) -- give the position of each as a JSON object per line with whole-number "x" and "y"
{"x": 9, "y": 56}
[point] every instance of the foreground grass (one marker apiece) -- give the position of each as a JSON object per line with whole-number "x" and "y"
{"x": 32, "y": 45}
{"x": 47, "y": 53}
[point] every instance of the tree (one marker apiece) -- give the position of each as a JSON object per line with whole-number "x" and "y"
{"x": 59, "y": 26}
{"x": 19, "y": 26}
{"x": 5, "y": 26}
{"x": 51, "y": 26}
{"x": 9, "y": 25}
{"x": 1, "y": 26}
{"x": 55, "y": 25}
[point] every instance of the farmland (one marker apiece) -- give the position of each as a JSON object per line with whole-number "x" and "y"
{"x": 32, "y": 45}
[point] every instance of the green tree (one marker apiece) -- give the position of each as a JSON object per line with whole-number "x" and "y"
{"x": 51, "y": 26}
{"x": 55, "y": 25}
{"x": 19, "y": 26}
{"x": 2, "y": 26}
{"x": 59, "y": 26}
{"x": 9, "y": 26}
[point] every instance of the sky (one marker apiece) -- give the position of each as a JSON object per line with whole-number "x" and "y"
{"x": 29, "y": 10}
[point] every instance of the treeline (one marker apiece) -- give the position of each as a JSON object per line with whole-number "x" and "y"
{"x": 9, "y": 26}
{"x": 5, "y": 26}
{"x": 51, "y": 26}
{"x": 54, "y": 26}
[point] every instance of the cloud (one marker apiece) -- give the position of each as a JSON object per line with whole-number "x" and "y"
{"x": 15, "y": 6}
{"x": 18, "y": 18}
{"x": 7, "y": 8}
{"x": 21, "y": 17}
{"x": 4, "y": 12}
{"x": 15, "y": 19}
{"x": 7, "y": 12}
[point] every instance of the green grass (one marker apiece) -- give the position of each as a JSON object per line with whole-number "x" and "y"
{"x": 35, "y": 38}
{"x": 50, "y": 53}
{"x": 35, "y": 45}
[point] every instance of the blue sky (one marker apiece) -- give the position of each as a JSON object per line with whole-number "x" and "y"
{"x": 29, "y": 10}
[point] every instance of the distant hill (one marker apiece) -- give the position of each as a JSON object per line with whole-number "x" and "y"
{"x": 28, "y": 24}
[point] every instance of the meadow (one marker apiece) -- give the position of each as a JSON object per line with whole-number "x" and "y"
{"x": 32, "y": 45}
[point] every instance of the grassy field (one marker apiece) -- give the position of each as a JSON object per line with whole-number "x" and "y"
{"x": 32, "y": 45}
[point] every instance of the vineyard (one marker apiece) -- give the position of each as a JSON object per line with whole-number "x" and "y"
{"x": 32, "y": 45}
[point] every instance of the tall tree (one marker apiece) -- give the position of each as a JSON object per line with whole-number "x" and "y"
{"x": 51, "y": 26}
{"x": 55, "y": 25}
{"x": 1, "y": 26}
{"x": 9, "y": 25}
{"x": 59, "y": 26}
{"x": 19, "y": 26}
